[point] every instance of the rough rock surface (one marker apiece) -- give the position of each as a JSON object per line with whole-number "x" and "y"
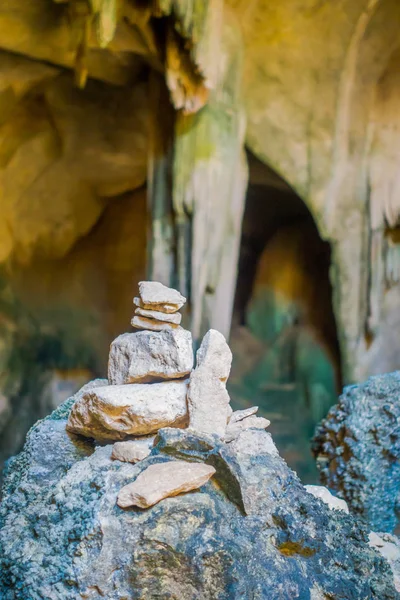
{"x": 62, "y": 536}
{"x": 358, "y": 450}
{"x": 147, "y": 356}
{"x": 174, "y": 318}
{"x": 389, "y": 546}
{"x": 115, "y": 412}
{"x": 154, "y": 293}
{"x": 152, "y": 324}
{"x": 208, "y": 399}
{"x": 133, "y": 450}
{"x": 163, "y": 481}
{"x": 319, "y": 491}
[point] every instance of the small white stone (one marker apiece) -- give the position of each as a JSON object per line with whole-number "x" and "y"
{"x": 174, "y": 318}
{"x": 133, "y": 451}
{"x": 239, "y": 415}
{"x": 208, "y": 399}
{"x": 147, "y": 356}
{"x": 154, "y": 292}
{"x": 151, "y": 324}
{"x": 234, "y": 429}
{"x": 115, "y": 412}
{"x": 162, "y": 480}
{"x": 321, "y": 492}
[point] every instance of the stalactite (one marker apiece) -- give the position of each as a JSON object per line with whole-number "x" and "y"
{"x": 210, "y": 178}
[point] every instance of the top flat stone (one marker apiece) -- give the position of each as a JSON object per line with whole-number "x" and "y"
{"x": 154, "y": 293}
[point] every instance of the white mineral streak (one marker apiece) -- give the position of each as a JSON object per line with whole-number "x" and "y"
{"x": 147, "y": 356}
{"x": 321, "y": 492}
{"x": 208, "y": 398}
{"x": 162, "y": 480}
{"x": 116, "y": 411}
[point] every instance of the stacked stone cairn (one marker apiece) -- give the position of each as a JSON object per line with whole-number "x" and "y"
{"x": 153, "y": 386}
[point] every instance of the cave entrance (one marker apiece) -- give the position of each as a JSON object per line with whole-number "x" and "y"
{"x": 283, "y": 337}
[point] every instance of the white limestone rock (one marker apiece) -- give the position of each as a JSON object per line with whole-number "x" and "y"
{"x": 152, "y": 325}
{"x": 208, "y": 399}
{"x": 115, "y": 412}
{"x": 133, "y": 451}
{"x": 147, "y": 356}
{"x": 235, "y": 428}
{"x": 162, "y": 480}
{"x": 155, "y": 293}
{"x": 174, "y": 318}
{"x": 321, "y": 492}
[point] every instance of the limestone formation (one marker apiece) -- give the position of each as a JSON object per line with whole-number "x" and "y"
{"x": 174, "y": 318}
{"x": 208, "y": 399}
{"x": 153, "y": 293}
{"x": 163, "y": 480}
{"x": 321, "y": 492}
{"x": 133, "y": 451}
{"x": 147, "y": 356}
{"x": 234, "y": 429}
{"x": 115, "y": 412}
{"x": 152, "y": 324}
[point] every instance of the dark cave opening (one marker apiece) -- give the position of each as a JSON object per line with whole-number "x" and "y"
{"x": 284, "y": 336}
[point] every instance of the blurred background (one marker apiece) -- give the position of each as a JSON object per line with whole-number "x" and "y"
{"x": 244, "y": 152}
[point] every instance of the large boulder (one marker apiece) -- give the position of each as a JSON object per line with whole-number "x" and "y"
{"x": 63, "y": 536}
{"x": 358, "y": 450}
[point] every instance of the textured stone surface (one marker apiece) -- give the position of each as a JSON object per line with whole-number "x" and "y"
{"x": 186, "y": 444}
{"x": 132, "y": 450}
{"x": 62, "y": 536}
{"x": 162, "y": 481}
{"x": 115, "y": 412}
{"x": 358, "y": 450}
{"x": 174, "y": 318}
{"x": 233, "y": 430}
{"x": 321, "y": 492}
{"x": 389, "y": 546}
{"x": 152, "y": 324}
{"x": 208, "y": 399}
{"x": 154, "y": 293}
{"x": 150, "y": 356}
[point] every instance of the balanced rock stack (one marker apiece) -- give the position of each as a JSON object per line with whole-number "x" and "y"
{"x": 152, "y": 385}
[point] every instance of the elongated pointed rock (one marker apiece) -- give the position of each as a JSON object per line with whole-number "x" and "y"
{"x": 162, "y": 480}
{"x": 208, "y": 399}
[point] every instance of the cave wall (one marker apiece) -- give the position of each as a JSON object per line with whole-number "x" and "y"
{"x": 311, "y": 75}
{"x": 309, "y": 86}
